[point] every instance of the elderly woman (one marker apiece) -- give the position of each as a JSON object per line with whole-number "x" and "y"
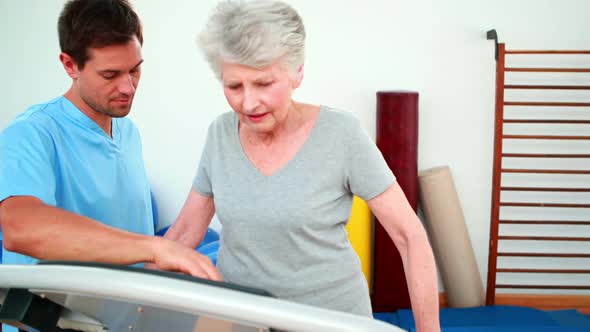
{"x": 281, "y": 175}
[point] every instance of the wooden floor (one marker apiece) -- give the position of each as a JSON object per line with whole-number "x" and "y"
{"x": 543, "y": 302}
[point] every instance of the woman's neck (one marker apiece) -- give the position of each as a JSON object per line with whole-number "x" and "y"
{"x": 296, "y": 117}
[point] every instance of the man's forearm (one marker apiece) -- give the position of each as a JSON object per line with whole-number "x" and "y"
{"x": 48, "y": 233}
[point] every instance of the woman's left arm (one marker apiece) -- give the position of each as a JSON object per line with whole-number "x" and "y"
{"x": 405, "y": 229}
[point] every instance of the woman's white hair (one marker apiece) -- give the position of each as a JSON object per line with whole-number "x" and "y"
{"x": 255, "y": 34}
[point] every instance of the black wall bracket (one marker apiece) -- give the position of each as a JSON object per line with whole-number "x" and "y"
{"x": 492, "y": 34}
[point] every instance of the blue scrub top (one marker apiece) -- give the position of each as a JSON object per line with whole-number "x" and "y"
{"x": 56, "y": 153}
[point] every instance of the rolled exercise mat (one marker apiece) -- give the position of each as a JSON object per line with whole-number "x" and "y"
{"x": 449, "y": 237}
{"x": 397, "y": 138}
{"x": 359, "y": 234}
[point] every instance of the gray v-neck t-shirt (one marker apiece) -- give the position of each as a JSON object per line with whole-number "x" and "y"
{"x": 285, "y": 232}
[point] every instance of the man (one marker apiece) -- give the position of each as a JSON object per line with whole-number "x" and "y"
{"x": 72, "y": 180}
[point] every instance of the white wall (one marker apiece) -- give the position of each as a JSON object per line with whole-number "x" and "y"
{"x": 354, "y": 49}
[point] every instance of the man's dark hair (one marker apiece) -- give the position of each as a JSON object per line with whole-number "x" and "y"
{"x": 85, "y": 24}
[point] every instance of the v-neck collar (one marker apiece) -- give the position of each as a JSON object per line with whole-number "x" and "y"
{"x": 73, "y": 112}
{"x": 252, "y": 166}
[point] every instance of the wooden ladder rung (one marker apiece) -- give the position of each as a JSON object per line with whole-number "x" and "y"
{"x": 547, "y": 52}
{"x": 544, "y": 171}
{"x": 539, "y": 103}
{"x": 547, "y": 70}
{"x": 565, "y": 271}
{"x": 550, "y": 189}
{"x": 544, "y": 254}
{"x": 555, "y": 205}
{"x": 544, "y": 155}
{"x": 543, "y": 238}
{"x": 548, "y": 121}
{"x": 547, "y": 87}
{"x": 542, "y": 286}
{"x": 544, "y": 222}
{"x": 546, "y": 137}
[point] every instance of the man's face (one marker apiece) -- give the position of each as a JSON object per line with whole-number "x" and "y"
{"x": 110, "y": 76}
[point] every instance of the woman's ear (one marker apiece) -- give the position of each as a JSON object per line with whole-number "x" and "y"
{"x": 298, "y": 77}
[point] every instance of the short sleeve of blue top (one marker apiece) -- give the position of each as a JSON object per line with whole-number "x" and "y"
{"x": 56, "y": 153}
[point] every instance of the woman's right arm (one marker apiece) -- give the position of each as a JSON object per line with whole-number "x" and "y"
{"x": 192, "y": 221}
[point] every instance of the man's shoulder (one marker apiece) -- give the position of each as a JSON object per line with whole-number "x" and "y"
{"x": 36, "y": 119}
{"x": 42, "y": 114}
{"x": 31, "y": 135}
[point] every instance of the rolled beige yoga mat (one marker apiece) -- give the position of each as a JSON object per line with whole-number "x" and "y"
{"x": 450, "y": 241}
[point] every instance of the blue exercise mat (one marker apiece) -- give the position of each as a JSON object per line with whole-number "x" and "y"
{"x": 388, "y": 317}
{"x": 570, "y": 318}
{"x": 509, "y": 316}
{"x": 512, "y": 329}
{"x": 496, "y": 318}
{"x": 210, "y": 250}
{"x": 208, "y": 247}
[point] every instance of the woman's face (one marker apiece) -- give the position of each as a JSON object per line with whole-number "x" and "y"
{"x": 261, "y": 97}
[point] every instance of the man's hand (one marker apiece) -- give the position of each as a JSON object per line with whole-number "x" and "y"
{"x": 172, "y": 256}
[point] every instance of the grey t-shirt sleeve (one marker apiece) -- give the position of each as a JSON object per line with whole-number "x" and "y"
{"x": 368, "y": 174}
{"x": 202, "y": 180}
